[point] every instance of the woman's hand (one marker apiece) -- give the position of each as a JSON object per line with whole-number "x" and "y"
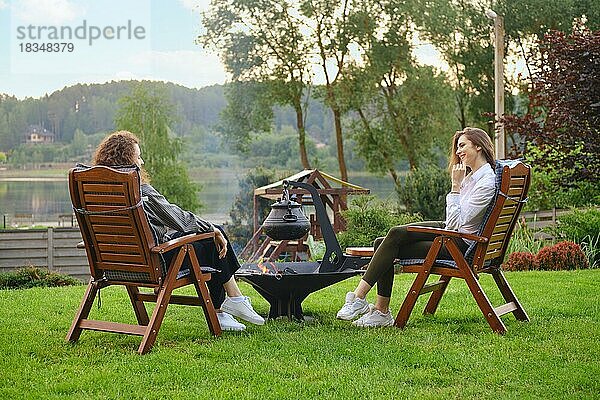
{"x": 458, "y": 174}
{"x": 220, "y": 243}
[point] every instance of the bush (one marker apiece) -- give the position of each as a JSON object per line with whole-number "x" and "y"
{"x": 544, "y": 194}
{"x": 240, "y": 229}
{"x": 368, "y": 218}
{"x": 578, "y": 225}
{"x": 30, "y": 276}
{"x": 521, "y": 261}
{"x": 562, "y": 256}
{"x": 424, "y": 192}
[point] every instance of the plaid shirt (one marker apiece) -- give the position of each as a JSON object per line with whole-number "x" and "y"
{"x": 165, "y": 217}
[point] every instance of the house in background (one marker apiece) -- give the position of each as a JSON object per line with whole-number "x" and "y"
{"x": 38, "y": 134}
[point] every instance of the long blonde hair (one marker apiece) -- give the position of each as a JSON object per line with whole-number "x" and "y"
{"x": 479, "y": 138}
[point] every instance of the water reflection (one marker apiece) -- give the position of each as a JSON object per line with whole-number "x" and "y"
{"x": 47, "y": 199}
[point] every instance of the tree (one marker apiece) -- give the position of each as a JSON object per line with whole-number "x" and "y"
{"x": 147, "y": 114}
{"x": 329, "y": 22}
{"x": 563, "y": 121}
{"x": 241, "y": 214}
{"x": 401, "y": 108}
{"x": 262, "y": 46}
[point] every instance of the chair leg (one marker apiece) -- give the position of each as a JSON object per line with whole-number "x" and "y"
{"x": 202, "y": 290}
{"x": 509, "y": 295}
{"x": 482, "y": 300}
{"x": 162, "y": 301}
{"x": 83, "y": 312}
{"x": 415, "y": 290}
{"x": 138, "y": 306}
{"x": 436, "y": 296}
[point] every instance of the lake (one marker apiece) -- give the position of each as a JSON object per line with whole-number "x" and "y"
{"x": 47, "y": 198}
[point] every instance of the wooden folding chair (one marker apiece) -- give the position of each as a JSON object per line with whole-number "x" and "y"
{"x": 121, "y": 250}
{"x": 484, "y": 255}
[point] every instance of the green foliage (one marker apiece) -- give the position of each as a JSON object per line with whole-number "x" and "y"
{"x": 424, "y": 192}
{"x": 544, "y": 194}
{"x": 148, "y": 113}
{"x": 240, "y": 229}
{"x": 578, "y": 225}
{"x": 524, "y": 240}
{"x": 3, "y": 157}
{"x": 368, "y": 218}
{"x": 30, "y": 276}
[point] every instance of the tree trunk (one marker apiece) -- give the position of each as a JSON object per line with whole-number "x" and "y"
{"x": 301, "y": 136}
{"x": 337, "y": 119}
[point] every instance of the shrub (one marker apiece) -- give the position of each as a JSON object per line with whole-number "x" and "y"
{"x": 30, "y": 276}
{"x": 578, "y": 225}
{"x": 521, "y": 261}
{"x": 424, "y": 192}
{"x": 562, "y": 256}
{"x": 240, "y": 229}
{"x": 368, "y": 218}
{"x": 544, "y": 194}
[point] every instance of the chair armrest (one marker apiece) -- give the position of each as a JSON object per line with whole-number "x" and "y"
{"x": 180, "y": 241}
{"x": 445, "y": 232}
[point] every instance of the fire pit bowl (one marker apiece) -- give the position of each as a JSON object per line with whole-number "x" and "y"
{"x": 286, "y": 284}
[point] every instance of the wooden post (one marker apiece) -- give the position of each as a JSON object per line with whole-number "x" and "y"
{"x": 499, "y": 85}
{"x": 255, "y": 220}
{"x": 50, "y": 249}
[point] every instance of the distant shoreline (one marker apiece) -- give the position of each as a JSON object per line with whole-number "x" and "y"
{"x": 33, "y": 179}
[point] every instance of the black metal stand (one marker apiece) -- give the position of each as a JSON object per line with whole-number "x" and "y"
{"x": 286, "y": 290}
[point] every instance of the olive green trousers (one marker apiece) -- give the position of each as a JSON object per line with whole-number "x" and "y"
{"x": 401, "y": 244}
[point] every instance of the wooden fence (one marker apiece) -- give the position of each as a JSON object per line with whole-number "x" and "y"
{"x": 54, "y": 248}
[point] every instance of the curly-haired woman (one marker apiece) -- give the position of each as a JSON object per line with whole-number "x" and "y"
{"x": 168, "y": 221}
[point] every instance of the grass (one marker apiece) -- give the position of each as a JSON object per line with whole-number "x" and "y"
{"x": 450, "y": 355}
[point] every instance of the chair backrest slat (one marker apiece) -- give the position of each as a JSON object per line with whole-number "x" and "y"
{"x": 510, "y": 198}
{"x": 113, "y": 224}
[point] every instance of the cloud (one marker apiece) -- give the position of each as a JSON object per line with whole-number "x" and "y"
{"x": 189, "y": 68}
{"x": 47, "y": 12}
{"x": 3, "y": 5}
{"x": 195, "y": 5}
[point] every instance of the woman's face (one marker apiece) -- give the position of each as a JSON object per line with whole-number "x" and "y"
{"x": 467, "y": 151}
{"x": 138, "y": 156}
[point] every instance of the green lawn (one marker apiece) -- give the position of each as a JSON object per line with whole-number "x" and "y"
{"x": 450, "y": 355}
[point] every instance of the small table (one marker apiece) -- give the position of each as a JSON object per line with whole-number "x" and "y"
{"x": 360, "y": 251}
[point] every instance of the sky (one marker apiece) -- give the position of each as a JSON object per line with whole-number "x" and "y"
{"x": 162, "y": 48}
{"x": 101, "y": 41}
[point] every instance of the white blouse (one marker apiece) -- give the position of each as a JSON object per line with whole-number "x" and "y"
{"x": 465, "y": 210}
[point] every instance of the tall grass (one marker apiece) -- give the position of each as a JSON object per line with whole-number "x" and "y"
{"x": 524, "y": 240}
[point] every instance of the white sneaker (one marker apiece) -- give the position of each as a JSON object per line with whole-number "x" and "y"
{"x": 228, "y": 323}
{"x": 242, "y": 309}
{"x": 353, "y": 307}
{"x": 374, "y": 318}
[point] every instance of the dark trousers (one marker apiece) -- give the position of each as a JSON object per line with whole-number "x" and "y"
{"x": 399, "y": 243}
{"x": 208, "y": 256}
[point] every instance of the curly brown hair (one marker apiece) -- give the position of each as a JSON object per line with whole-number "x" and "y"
{"x": 118, "y": 149}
